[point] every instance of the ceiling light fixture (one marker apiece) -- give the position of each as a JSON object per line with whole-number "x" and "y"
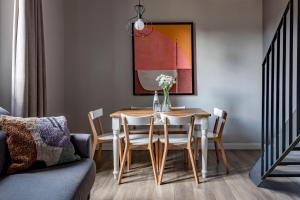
{"x": 138, "y": 25}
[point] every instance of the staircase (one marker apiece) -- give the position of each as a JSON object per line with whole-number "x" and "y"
{"x": 280, "y": 101}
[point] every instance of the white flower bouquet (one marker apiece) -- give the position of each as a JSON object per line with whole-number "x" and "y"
{"x": 166, "y": 83}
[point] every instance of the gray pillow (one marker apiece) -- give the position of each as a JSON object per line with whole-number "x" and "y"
{"x": 3, "y": 111}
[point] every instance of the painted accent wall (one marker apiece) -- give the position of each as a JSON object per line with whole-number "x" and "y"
{"x": 228, "y": 56}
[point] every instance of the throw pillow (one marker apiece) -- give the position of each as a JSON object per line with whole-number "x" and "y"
{"x": 3, "y": 112}
{"x": 37, "y": 139}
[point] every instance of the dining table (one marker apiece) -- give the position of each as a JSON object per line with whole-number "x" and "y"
{"x": 201, "y": 118}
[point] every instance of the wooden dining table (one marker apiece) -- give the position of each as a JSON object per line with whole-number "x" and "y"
{"x": 201, "y": 118}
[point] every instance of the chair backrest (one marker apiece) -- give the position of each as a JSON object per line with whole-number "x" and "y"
{"x": 170, "y": 120}
{"x": 128, "y": 120}
{"x": 95, "y": 119}
{"x": 221, "y": 115}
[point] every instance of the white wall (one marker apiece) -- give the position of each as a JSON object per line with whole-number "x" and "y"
{"x": 6, "y": 19}
{"x": 228, "y": 58}
{"x": 54, "y": 41}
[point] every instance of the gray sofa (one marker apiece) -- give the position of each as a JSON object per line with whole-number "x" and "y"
{"x": 63, "y": 182}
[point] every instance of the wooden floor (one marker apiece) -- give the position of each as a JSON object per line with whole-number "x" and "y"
{"x": 138, "y": 184}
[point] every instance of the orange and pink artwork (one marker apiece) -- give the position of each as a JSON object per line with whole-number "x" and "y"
{"x": 167, "y": 50}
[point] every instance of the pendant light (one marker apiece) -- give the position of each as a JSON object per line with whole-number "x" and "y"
{"x": 137, "y": 25}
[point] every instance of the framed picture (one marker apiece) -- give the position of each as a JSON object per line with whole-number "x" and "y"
{"x": 168, "y": 50}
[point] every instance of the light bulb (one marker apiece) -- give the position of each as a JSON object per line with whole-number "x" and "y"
{"x": 139, "y": 25}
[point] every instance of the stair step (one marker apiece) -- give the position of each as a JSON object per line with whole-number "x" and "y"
{"x": 255, "y": 173}
{"x": 289, "y": 163}
{"x": 296, "y": 149}
{"x": 285, "y": 175}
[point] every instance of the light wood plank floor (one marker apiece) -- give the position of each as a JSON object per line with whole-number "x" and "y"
{"x": 179, "y": 184}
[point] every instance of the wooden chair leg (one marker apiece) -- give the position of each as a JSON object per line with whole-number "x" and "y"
{"x": 98, "y": 155}
{"x": 157, "y": 156}
{"x": 160, "y": 154}
{"x": 120, "y": 151}
{"x": 129, "y": 156}
{"x": 163, "y": 164}
{"x": 193, "y": 165}
{"x": 153, "y": 162}
{"x": 123, "y": 164}
{"x": 187, "y": 159}
{"x": 196, "y": 149}
{"x": 217, "y": 151}
{"x": 224, "y": 157}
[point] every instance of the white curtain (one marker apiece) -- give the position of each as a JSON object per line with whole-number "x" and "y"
{"x": 28, "y": 61}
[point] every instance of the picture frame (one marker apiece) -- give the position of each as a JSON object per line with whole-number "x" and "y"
{"x": 169, "y": 50}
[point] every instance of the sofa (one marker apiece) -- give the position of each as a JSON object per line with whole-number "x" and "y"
{"x": 63, "y": 182}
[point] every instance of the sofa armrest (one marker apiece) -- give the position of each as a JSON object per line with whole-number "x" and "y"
{"x": 83, "y": 144}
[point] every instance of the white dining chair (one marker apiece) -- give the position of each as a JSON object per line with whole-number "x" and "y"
{"x": 99, "y": 136}
{"x": 183, "y": 141}
{"x": 133, "y": 141}
{"x": 216, "y": 136}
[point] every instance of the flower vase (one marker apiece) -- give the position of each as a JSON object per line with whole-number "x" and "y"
{"x": 166, "y": 106}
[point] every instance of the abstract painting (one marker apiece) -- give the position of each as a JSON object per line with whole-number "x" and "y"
{"x": 167, "y": 50}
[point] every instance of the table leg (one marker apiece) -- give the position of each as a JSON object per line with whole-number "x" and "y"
{"x": 116, "y": 131}
{"x": 204, "y": 146}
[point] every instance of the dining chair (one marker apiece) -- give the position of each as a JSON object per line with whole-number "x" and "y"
{"x": 133, "y": 141}
{"x": 99, "y": 136}
{"x": 140, "y": 130}
{"x": 183, "y": 141}
{"x": 216, "y": 136}
{"x": 177, "y": 129}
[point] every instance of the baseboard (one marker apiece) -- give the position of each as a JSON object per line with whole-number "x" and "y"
{"x": 241, "y": 146}
{"x": 229, "y": 146}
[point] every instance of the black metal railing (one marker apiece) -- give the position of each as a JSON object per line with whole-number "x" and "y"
{"x": 280, "y": 104}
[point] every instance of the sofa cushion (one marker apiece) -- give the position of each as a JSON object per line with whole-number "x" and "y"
{"x": 3, "y": 112}
{"x": 69, "y": 181}
{"x": 44, "y": 139}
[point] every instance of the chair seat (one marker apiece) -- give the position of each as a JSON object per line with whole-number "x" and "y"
{"x": 109, "y": 136}
{"x": 141, "y": 139}
{"x": 210, "y": 135}
{"x": 176, "y": 139}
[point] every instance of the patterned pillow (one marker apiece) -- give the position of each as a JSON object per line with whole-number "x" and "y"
{"x": 37, "y": 139}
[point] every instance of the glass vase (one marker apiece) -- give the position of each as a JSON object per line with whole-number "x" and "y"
{"x": 166, "y": 106}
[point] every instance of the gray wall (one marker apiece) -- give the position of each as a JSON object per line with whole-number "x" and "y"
{"x": 88, "y": 54}
{"x": 89, "y": 68}
{"x": 272, "y": 13}
{"x": 54, "y": 50}
{"x": 54, "y": 41}
{"x": 6, "y": 19}
{"x": 228, "y": 58}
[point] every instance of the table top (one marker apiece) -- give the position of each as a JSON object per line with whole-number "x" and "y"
{"x": 176, "y": 112}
